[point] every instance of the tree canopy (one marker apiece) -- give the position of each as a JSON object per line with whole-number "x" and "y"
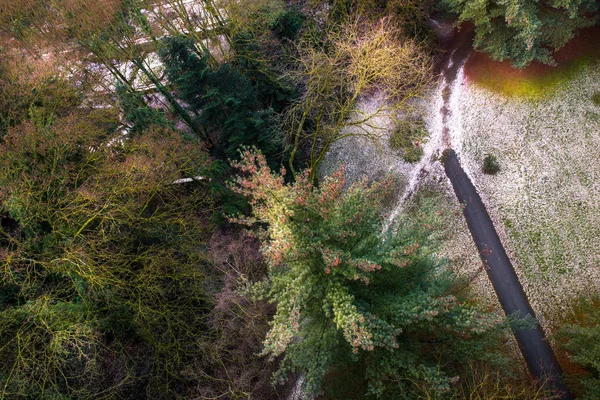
{"x": 224, "y": 101}
{"x": 119, "y": 278}
{"x": 97, "y": 256}
{"x": 349, "y": 297}
{"x": 524, "y": 31}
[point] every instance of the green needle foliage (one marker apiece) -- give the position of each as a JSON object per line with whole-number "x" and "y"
{"x": 137, "y": 113}
{"x": 524, "y": 31}
{"x": 490, "y": 164}
{"x": 351, "y": 300}
{"x": 224, "y": 101}
{"x": 580, "y": 339}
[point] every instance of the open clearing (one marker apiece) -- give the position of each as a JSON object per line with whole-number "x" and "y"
{"x": 546, "y": 198}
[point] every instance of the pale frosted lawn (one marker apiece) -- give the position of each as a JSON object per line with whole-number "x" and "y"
{"x": 546, "y": 198}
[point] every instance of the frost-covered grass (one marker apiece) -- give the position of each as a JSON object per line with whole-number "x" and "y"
{"x": 372, "y": 157}
{"x": 545, "y": 199}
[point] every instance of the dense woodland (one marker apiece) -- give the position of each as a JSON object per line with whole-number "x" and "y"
{"x": 173, "y": 239}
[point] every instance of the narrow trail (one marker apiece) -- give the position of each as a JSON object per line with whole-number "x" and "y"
{"x": 538, "y": 354}
{"x": 439, "y": 139}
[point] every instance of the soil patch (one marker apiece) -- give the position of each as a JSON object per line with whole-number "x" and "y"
{"x": 537, "y": 79}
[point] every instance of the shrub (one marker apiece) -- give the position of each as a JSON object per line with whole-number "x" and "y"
{"x": 288, "y": 24}
{"x": 407, "y": 139}
{"x": 490, "y": 164}
{"x": 413, "y": 154}
{"x": 596, "y": 99}
{"x": 575, "y": 338}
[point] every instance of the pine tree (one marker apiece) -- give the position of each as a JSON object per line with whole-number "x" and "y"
{"x": 224, "y": 101}
{"x": 137, "y": 113}
{"x": 349, "y": 297}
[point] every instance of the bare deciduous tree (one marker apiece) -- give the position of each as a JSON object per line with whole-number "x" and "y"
{"x": 358, "y": 61}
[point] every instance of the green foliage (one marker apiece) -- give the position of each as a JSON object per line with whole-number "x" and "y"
{"x": 524, "y": 31}
{"x": 407, "y": 138}
{"x": 349, "y": 299}
{"x": 255, "y": 62}
{"x": 413, "y": 154}
{"x": 490, "y": 164}
{"x": 596, "y": 99}
{"x": 580, "y": 339}
{"x": 287, "y": 25}
{"x": 224, "y": 100}
{"x": 140, "y": 116}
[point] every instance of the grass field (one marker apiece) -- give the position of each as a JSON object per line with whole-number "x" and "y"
{"x": 546, "y": 197}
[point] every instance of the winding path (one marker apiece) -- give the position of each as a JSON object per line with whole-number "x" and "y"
{"x": 538, "y": 354}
